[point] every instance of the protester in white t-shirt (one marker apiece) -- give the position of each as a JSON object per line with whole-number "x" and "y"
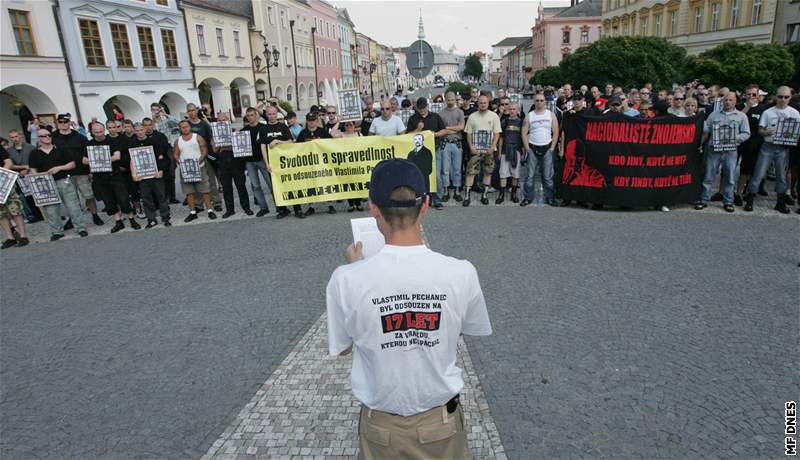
{"x": 387, "y": 124}
{"x": 401, "y": 312}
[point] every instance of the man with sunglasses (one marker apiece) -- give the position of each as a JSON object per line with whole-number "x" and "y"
{"x": 748, "y": 150}
{"x": 74, "y": 144}
{"x": 773, "y": 119}
{"x": 676, "y": 108}
{"x": 425, "y": 120}
{"x": 387, "y": 124}
{"x": 311, "y": 132}
{"x": 203, "y": 129}
{"x": 540, "y": 133}
{"x": 49, "y": 159}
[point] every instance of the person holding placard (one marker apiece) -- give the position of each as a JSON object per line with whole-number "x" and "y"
{"x": 203, "y": 128}
{"x": 48, "y": 159}
{"x": 74, "y": 144}
{"x": 231, "y": 172}
{"x": 12, "y": 208}
{"x": 191, "y": 146}
{"x": 483, "y": 133}
{"x": 779, "y": 127}
{"x": 20, "y": 152}
{"x": 152, "y": 189}
{"x": 111, "y": 186}
{"x": 425, "y": 120}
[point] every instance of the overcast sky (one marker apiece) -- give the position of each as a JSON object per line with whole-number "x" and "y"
{"x": 469, "y": 25}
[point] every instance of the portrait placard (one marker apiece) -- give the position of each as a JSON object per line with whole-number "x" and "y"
{"x": 7, "y": 180}
{"x": 405, "y": 115}
{"x": 349, "y": 105}
{"x": 144, "y": 161}
{"x": 787, "y": 132}
{"x": 99, "y": 158}
{"x": 242, "y": 144}
{"x": 190, "y": 170}
{"x": 513, "y": 98}
{"x": 482, "y": 140}
{"x": 24, "y": 185}
{"x": 44, "y": 190}
{"x": 221, "y": 132}
{"x": 436, "y": 107}
{"x": 723, "y": 137}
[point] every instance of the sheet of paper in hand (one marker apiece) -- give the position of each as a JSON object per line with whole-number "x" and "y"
{"x": 787, "y": 132}
{"x": 144, "y": 161}
{"x": 99, "y": 158}
{"x": 43, "y": 189}
{"x": 242, "y": 144}
{"x": 349, "y": 105}
{"x": 24, "y": 185}
{"x": 437, "y": 107}
{"x": 221, "y": 132}
{"x": 482, "y": 140}
{"x": 7, "y": 179}
{"x": 190, "y": 171}
{"x": 723, "y": 137}
{"x": 405, "y": 115}
{"x": 365, "y": 229}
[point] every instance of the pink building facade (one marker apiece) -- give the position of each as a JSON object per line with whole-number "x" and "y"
{"x": 559, "y": 32}
{"x": 328, "y": 50}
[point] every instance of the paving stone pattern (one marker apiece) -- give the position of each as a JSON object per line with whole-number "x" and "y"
{"x": 306, "y": 409}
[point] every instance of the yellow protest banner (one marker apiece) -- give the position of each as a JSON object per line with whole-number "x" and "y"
{"x": 338, "y": 169}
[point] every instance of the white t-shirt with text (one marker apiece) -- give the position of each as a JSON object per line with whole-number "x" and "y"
{"x": 403, "y": 311}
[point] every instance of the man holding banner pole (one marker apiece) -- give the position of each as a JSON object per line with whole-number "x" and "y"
{"x": 425, "y": 120}
{"x": 727, "y": 129}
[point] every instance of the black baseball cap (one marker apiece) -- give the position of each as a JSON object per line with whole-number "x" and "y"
{"x": 64, "y": 116}
{"x": 615, "y": 100}
{"x": 311, "y": 116}
{"x": 422, "y": 103}
{"x": 391, "y": 174}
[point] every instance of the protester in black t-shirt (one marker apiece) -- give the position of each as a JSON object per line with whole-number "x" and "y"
{"x": 73, "y": 143}
{"x": 169, "y": 173}
{"x": 48, "y": 159}
{"x": 231, "y": 170}
{"x": 111, "y": 185}
{"x": 425, "y": 120}
{"x": 275, "y": 133}
{"x": 152, "y": 189}
{"x": 748, "y": 150}
{"x": 312, "y": 132}
{"x": 256, "y": 164}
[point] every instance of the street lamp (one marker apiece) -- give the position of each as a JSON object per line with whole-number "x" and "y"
{"x": 314, "y": 45}
{"x": 271, "y": 60}
{"x": 294, "y": 59}
{"x": 372, "y": 68}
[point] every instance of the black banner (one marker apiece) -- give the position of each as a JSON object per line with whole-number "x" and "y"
{"x": 623, "y": 161}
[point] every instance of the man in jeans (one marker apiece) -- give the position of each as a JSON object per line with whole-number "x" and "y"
{"x": 73, "y": 144}
{"x": 256, "y": 163}
{"x": 450, "y": 153}
{"x": 540, "y": 134}
{"x": 48, "y": 159}
{"x": 775, "y": 149}
{"x": 727, "y": 129}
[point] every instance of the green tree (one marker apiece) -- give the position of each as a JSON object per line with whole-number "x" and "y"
{"x": 473, "y": 67}
{"x": 736, "y": 65}
{"x": 549, "y": 76}
{"x": 626, "y": 61}
{"x": 459, "y": 88}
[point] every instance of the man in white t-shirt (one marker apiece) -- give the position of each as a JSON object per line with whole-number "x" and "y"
{"x": 387, "y": 124}
{"x": 401, "y": 312}
{"x": 780, "y": 126}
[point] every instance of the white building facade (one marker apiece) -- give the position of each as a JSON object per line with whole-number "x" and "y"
{"x": 127, "y": 55}
{"x": 34, "y": 79}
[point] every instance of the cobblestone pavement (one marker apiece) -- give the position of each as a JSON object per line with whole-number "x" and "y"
{"x": 617, "y": 334}
{"x": 306, "y": 409}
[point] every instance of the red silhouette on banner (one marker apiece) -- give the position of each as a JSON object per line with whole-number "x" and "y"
{"x": 576, "y": 171}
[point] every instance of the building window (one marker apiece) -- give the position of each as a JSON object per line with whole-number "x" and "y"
{"x": 269, "y": 15}
{"x": 220, "y": 42}
{"x": 715, "y": 16}
{"x": 201, "y": 40}
{"x": 756, "y": 12}
{"x": 92, "y": 46}
{"x": 286, "y": 54}
{"x": 793, "y": 33}
{"x": 146, "y": 46}
{"x": 237, "y": 44}
{"x": 584, "y": 36}
{"x": 162, "y": 2}
{"x": 170, "y": 50}
{"x": 734, "y": 13}
{"x": 565, "y": 36}
{"x": 698, "y": 19}
{"x": 673, "y": 23}
{"x": 625, "y": 29}
{"x": 658, "y": 25}
{"x": 644, "y": 25}
{"x": 283, "y": 19}
{"x": 21, "y": 23}
{"x": 122, "y": 49}
{"x": 319, "y": 59}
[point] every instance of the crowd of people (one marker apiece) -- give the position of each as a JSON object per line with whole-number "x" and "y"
{"x": 479, "y": 135}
